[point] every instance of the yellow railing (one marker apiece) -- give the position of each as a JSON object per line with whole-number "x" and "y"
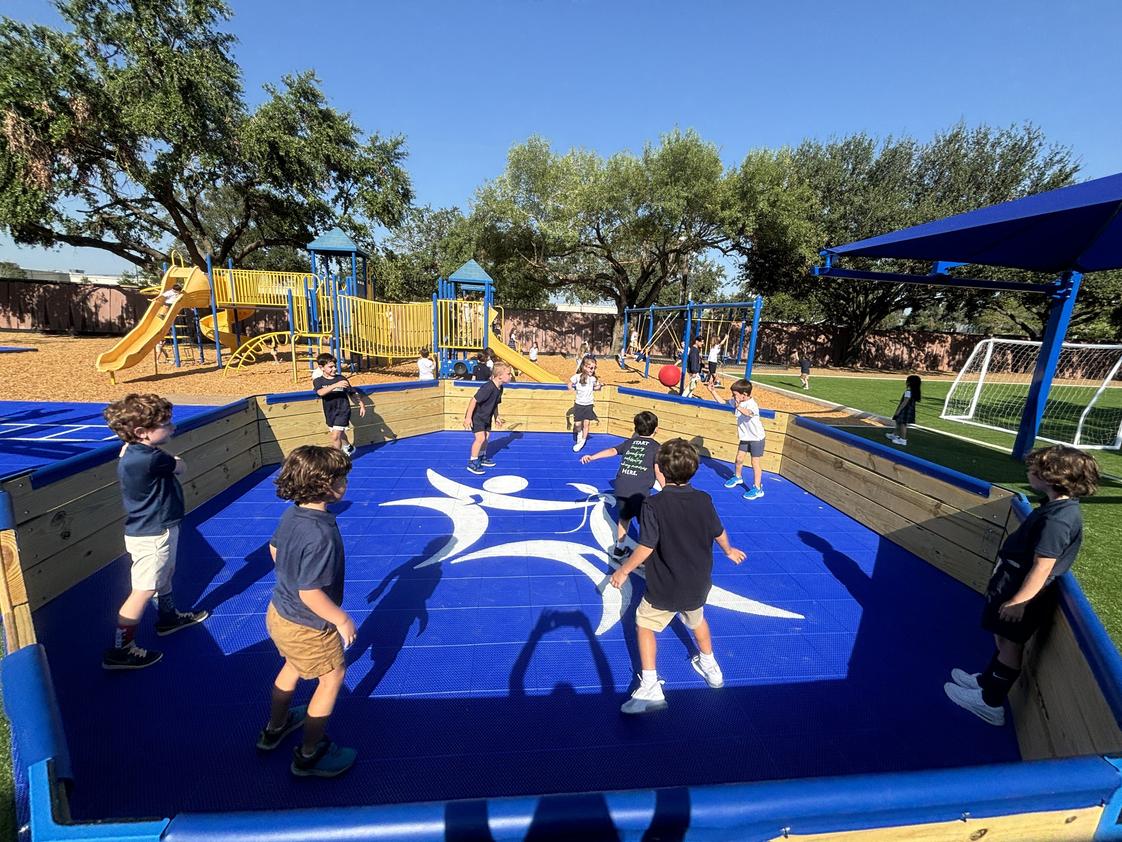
{"x": 461, "y": 324}
{"x": 380, "y": 329}
{"x": 324, "y": 320}
{"x": 261, "y": 289}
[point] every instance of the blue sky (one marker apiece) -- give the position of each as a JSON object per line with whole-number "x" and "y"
{"x": 463, "y": 81}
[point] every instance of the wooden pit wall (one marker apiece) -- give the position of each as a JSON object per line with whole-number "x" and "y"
{"x": 390, "y": 414}
{"x": 69, "y": 529}
{"x": 530, "y": 409}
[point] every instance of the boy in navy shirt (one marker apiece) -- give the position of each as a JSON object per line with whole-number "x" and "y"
{"x": 305, "y": 620}
{"x": 677, "y": 529}
{"x": 1020, "y": 596}
{"x": 336, "y": 392}
{"x": 482, "y": 412}
{"x": 154, "y": 507}
{"x": 635, "y": 477}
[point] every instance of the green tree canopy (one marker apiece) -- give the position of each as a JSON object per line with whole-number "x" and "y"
{"x": 129, "y": 131}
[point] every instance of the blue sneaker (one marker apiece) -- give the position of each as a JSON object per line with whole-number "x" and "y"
{"x": 475, "y": 467}
{"x": 754, "y": 493}
{"x": 733, "y": 482}
{"x": 487, "y": 463}
{"x": 328, "y": 761}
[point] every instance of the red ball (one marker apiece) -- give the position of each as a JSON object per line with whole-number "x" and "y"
{"x": 669, "y": 375}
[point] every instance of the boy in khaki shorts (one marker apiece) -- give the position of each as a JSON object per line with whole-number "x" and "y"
{"x": 153, "y": 501}
{"x": 304, "y": 619}
{"x": 677, "y": 529}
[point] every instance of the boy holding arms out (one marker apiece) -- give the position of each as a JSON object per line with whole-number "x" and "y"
{"x": 482, "y": 411}
{"x": 304, "y": 619}
{"x": 677, "y": 529}
{"x": 1020, "y": 596}
{"x": 153, "y": 501}
{"x": 336, "y": 392}
{"x": 750, "y": 432}
{"x": 635, "y": 477}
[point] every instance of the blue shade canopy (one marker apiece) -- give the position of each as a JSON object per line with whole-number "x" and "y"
{"x": 471, "y": 272}
{"x": 335, "y": 241}
{"x": 1073, "y": 228}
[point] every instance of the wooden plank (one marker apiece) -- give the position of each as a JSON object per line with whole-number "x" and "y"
{"x": 1076, "y": 825}
{"x": 18, "y": 630}
{"x": 313, "y": 428}
{"x": 22, "y": 628}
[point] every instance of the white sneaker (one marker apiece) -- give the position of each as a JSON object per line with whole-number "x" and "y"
{"x": 349, "y": 449}
{"x": 645, "y": 699}
{"x": 972, "y": 701}
{"x": 965, "y": 679}
{"x": 579, "y": 444}
{"x": 890, "y": 436}
{"x": 712, "y": 673}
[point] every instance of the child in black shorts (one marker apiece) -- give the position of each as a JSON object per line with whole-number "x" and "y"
{"x": 482, "y": 412}
{"x": 336, "y": 392}
{"x": 635, "y": 477}
{"x": 677, "y": 529}
{"x": 1020, "y": 596}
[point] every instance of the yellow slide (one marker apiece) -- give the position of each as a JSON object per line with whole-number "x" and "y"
{"x": 229, "y": 340}
{"x": 529, "y": 370}
{"x": 134, "y": 346}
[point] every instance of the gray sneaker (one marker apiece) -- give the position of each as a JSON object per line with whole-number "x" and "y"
{"x": 712, "y": 673}
{"x": 965, "y": 679}
{"x": 972, "y": 701}
{"x": 646, "y": 699}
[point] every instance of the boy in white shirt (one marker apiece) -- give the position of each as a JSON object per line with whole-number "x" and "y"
{"x": 716, "y": 351}
{"x": 426, "y": 368}
{"x": 750, "y": 433}
{"x": 170, "y": 296}
{"x": 534, "y": 353}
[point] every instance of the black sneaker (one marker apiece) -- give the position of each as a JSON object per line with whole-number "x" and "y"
{"x": 487, "y": 463}
{"x": 172, "y": 623}
{"x": 475, "y": 468}
{"x": 130, "y": 657}
{"x": 268, "y": 740}
{"x": 327, "y": 761}
{"x": 619, "y": 553}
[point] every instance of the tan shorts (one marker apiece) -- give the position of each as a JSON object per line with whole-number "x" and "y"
{"x": 655, "y": 619}
{"x": 153, "y": 560}
{"x": 312, "y": 652}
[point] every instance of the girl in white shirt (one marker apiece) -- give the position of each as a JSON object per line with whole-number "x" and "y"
{"x": 426, "y": 367}
{"x": 714, "y": 360}
{"x": 584, "y": 383}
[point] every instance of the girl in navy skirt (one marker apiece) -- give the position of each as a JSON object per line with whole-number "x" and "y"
{"x": 906, "y": 411}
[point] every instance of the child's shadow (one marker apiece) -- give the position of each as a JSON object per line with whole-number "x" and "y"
{"x": 386, "y": 628}
{"x": 497, "y": 445}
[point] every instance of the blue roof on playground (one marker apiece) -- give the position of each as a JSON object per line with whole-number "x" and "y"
{"x": 471, "y": 271}
{"x": 335, "y": 240}
{"x": 1077, "y": 227}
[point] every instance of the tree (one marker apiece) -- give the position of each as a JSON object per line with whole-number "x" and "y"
{"x": 616, "y": 229}
{"x": 126, "y": 133}
{"x": 427, "y": 244}
{"x": 11, "y": 270}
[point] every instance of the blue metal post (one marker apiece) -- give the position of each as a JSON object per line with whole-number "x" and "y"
{"x": 313, "y": 319}
{"x": 336, "y": 333}
{"x": 237, "y": 324}
{"x": 757, "y": 306}
{"x": 686, "y": 335}
{"x": 623, "y": 343}
{"x": 214, "y": 313}
{"x": 1066, "y": 288}
{"x": 199, "y": 336}
{"x": 650, "y": 339}
{"x": 292, "y": 329}
{"x": 175, "y": 343}
{"x": 437, "y": 352}
{"x": 353, "y": 286}
{"x": 486, "y": 316}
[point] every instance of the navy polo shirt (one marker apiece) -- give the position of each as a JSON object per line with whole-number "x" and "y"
{"x": 1052, "y": 530}
{"x": 487, "y": 400}
{"x": 152, "y": 494}
{"x": 309, "y": 557}
{"x": 679, "y": 524}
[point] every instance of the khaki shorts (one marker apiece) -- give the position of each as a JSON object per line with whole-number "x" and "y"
{"x": 153, "y": 560}
{"x": 312, "y": 652}
{"x": 655, "y": 619}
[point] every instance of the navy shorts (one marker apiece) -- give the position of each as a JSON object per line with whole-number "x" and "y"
{"x": 1003, "y": 585}
{"x": 630, "y": 506}
{"x": 480, "y": 425}
{"x": 584, "y": 413}
{"x": 712, "y": 368}
{"x": 755, "y": 448}
{"x": 338, "y": 418}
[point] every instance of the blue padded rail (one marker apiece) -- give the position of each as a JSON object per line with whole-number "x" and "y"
{"x": 7, "y": 513}
{"x": 74, "y": 465}
{"x": 204, "y": 418}
{"x": 639, "y": 393}
{"x": 545, "y": 387}
{"x": 948, "y": 475}
{"x": 32, "y": 707}
{"x": 310, "y": 395}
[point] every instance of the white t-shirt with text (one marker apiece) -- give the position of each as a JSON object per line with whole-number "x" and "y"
{"x": 749, "y": 427}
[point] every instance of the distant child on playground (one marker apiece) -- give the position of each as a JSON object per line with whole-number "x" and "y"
{"x": 304, "y": 619}
{"x": 750, "y": 434}
{"x": 905, "y": 413}
{"x": 483, "y": 412}
{"x": 170, "y": 296}
{"x": 584, "y": 383}
{"x": 481, "y": 371}
{"x": 635, "y": 477}
{"x": 716, "y": 351}
{"x": 534, "y": 352}
{"x": 336, "y": 392}
{"x": 804, "y": 367}
{"x": 426, "y": 368}
{"x": 1021, "y": 594}
{"x": 153, "y": 501}
{"x": 677, "y": 529}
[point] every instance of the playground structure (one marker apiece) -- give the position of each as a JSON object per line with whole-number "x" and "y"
{"x": 325, "y": 311}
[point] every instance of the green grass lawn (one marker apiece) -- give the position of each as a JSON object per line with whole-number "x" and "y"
{"x": 7, "y": 784}
{"x": 1096, "y": 569}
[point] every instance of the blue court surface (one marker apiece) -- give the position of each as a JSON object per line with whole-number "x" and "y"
{"x": 491, "y": 660}
{"x": 34, "y": 433}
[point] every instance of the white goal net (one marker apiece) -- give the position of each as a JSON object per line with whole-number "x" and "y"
{"x": 1084, "y": 406}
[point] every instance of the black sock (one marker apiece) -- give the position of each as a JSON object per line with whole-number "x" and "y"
{"x": 983, "y": 676}
{"x": 314, "y": 729}
{"x": 278, "y": 708}
{"x": 999, "y": 681}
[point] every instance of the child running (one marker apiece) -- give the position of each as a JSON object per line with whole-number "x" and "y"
{"x": 304, "y": 619}
{"x": 804, "y": 368}
{"x": 906, "y": 411}
{"x": 1020, "y": 596}
{"x": 584, "y": 383}
{"x": 336, "y": 392}
{"x": 482, "y": 413}
{"x": 426, "y": 367}
{"x": 635, "y": 477}
{"x": 153, "y": 501}
{"x": 750, "y": 433}
{"x": 677, "y": 529}
{"x": 716, "y": 351}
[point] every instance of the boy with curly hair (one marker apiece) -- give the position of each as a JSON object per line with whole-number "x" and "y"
{"x": 304, "y": 619}
{"x": 1021, "y": 594}
{"x": 153, "y": 501}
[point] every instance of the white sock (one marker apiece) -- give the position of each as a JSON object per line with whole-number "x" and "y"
{"x": 708, "y": 660}
{"x": 649, "y": 678}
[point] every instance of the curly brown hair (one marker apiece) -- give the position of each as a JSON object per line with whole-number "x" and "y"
{"x": 678, "y": 460}
{"x": 1068, "y": 470}
{"x": 310, "y": 472}
{"x": 133, "y": 411}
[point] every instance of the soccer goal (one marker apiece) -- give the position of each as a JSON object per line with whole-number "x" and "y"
{"x": 1084, "y": 405}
